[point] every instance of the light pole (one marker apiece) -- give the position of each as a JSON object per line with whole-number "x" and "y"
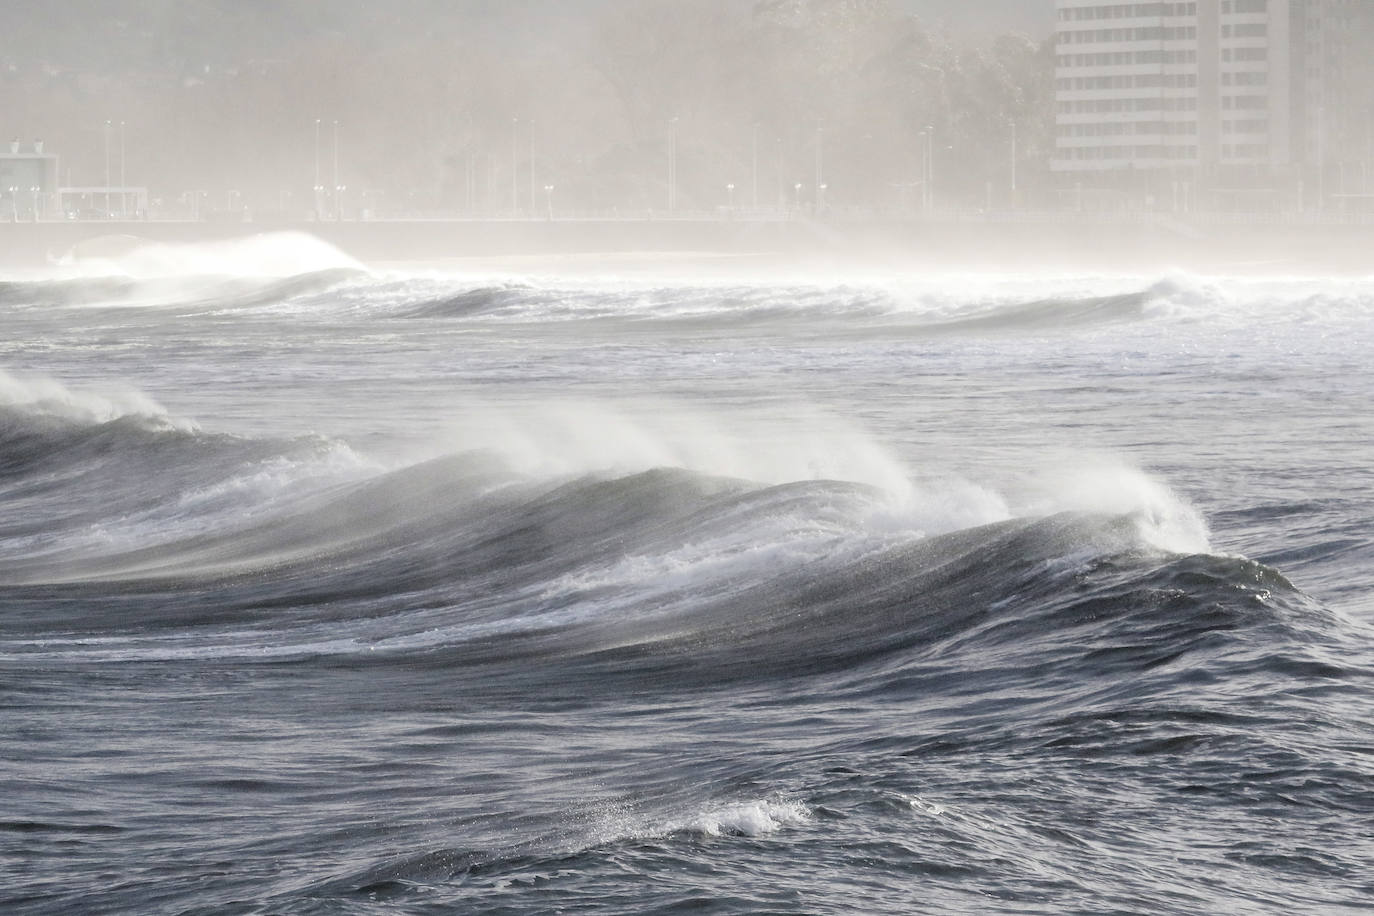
{"x": 514, "y": 169}
{"x": 782, "y": 194}
{"x": 928, "y": 135}
{"x": 107, "y": 170}
{"x": 1321, "y": 157}
{"x": 756, "y": 167}
{"x": 820, "y": 154}
{"x": 337, "y": 187}
{"x": 1013, "y": 162}
{"x": 123, "y": 197}
{"x": 672, "y": 165}
{"x": 317, "y": 186}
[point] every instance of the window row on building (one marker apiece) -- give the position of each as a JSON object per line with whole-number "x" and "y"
{"x": 1140, "y": 33}
{"x": 1100, "y": 106}
{"x": 1130, "y": 128}
{"x": 1128, "y": 81}
{"x": 1127, "y": 11}
{"x": 1125, "y": 58}
{"x": 1126, "y": 153}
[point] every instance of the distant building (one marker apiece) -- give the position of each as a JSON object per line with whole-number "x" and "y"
{"x": 1215, "y": 102}
{"x": 28, "y": 180}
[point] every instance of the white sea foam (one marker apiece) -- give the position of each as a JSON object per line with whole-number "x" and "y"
{"x": 1104, "y": 484}
{"x": 49, "y": 397}
{"x": 614, "y": 821}
{"x": 775, "y": 443}
{"x": 273, "y": 254}
{"x": 749, "y": 819}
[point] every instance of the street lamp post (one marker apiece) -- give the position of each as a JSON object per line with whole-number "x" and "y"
{"x": 928, "y": 136}
{"x": 1014, "y": 156}
{"x": 337, "y": 187}
{"x": 782, "y": 194}
{"x": 317, "y": 186}
{"x": 672, "y": 165}
{"x": 514, "y": 168}
{"x": 756, "y": 167}
{"x": 123, "y": 196}
{"x": 820, "y": 155}
{"x": 106, "y": 214}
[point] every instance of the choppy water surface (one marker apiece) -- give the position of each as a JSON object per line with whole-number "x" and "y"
{"x": 331, "y": 590}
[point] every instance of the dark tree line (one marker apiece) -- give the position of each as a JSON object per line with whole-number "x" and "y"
{"x": 442, "y": 106}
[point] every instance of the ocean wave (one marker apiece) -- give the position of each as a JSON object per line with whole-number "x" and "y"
{"x": 37, "y": 400}
{"x": 89, "y": 475}
{"x": 476, "y": 565}
{"x": 268, "y": 254}
{"x": 287, "y": 277}
{"x": 935, "y": 305}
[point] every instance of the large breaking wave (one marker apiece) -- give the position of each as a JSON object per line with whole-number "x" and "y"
{"x": 305, "y": 551}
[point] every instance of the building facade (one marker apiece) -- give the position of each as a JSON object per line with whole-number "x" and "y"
{"x": 1238, "y": 98}
{"x": 28, "y": 180}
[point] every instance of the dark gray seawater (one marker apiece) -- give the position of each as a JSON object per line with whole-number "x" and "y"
{"x": 401, "y": 592}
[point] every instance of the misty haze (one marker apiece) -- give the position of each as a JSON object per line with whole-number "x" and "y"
{"x": 728, "y": 456}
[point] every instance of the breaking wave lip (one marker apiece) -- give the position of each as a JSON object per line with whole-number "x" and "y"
{"x": 265, "y": 255}
{"x": 231, "y": 274}
{"x": 588, "y": 830}
{"x": 471, "y": 558}
{"x": 934, "y": 305}
{"x": 209, "y": 293}
{"x": 38, "y": 397}
{"x": 97, "y": 471}
{"x": 467, "y": 560}
{"x": 850, "y": 306}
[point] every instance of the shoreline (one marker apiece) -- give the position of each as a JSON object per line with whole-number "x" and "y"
{"x": 950, "y": 244}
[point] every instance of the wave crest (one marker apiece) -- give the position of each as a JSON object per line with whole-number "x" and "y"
{"x": 39, "y": 397}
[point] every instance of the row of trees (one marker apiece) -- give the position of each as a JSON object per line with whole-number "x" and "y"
{"x": 630, "y": 105}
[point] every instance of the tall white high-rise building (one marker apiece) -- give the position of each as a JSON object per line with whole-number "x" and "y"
{"x": 1215, "y": 92}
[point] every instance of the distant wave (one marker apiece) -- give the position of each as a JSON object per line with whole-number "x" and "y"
{"x": 285, "y": 275}
{"x": 269, "y": 254}
{"x": 1012, "y": 306}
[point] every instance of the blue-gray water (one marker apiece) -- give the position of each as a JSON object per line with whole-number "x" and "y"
{"x": 407, "y": 592}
